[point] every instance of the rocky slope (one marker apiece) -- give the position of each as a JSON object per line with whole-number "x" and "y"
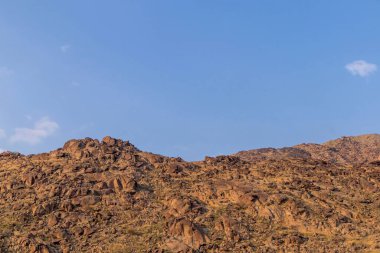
{"x": 346, "y": 150}
{"x": 108, "y": 196}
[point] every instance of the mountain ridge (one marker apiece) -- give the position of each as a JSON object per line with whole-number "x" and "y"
{"x": 109, "y": 196}
{"x": 347, "y": 150}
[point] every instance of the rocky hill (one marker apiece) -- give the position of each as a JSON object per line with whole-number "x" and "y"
{"x": 108, "y": 196}
{"x": 346, "y": 150}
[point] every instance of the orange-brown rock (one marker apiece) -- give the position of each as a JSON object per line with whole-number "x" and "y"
{"x": 187, "y": 235}
{"x": 109, "y": 196}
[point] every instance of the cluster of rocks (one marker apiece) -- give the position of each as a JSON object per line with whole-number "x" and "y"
{"x": 108, "y": 196}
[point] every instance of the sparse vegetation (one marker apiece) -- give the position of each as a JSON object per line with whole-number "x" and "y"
{"x": 144, "y": 203}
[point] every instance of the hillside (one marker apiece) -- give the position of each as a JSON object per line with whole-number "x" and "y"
{"x": 346, "y": 150}
{"x": 109, "y": 196}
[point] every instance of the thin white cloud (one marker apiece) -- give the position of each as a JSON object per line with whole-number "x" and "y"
{"x": 2, "y": 150}
{"x": 2, "y": 134}
{"x": 65, "y": 48}
{"x": 5, "y": 72}
{"x": 361, "y": 68}
{"x": 42, "y": 129}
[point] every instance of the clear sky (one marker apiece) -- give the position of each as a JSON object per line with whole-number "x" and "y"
{"x": 188, "y": 78}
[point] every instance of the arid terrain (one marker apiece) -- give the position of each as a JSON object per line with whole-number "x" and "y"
{"x": 108, "y": 196}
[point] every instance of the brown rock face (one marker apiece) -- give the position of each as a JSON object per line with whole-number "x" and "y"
{"x": 108, "y": 196}
{"x": 186, "y": 236}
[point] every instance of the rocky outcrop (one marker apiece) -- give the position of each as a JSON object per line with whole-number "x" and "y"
{"x": 108, "y": 196}
{"x": 185, "y": 236}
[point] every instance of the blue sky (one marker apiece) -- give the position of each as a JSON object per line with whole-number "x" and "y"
{"x": 188, "y": 78}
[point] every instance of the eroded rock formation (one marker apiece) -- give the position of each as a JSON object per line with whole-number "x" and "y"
{"x": 108, "y": 196}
